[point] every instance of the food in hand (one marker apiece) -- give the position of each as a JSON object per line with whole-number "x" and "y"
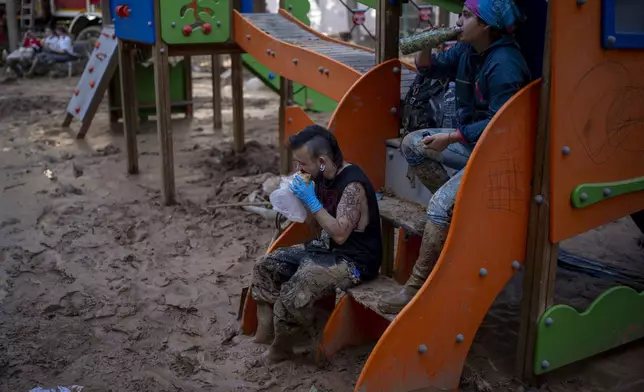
{"x": 306, "y": 177}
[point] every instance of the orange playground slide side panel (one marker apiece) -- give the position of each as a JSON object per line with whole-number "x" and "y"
{"x": 296, "y": 120}
{"x": 294, "y": 62}
{"x": 426, "y": 345}
{"x": 597, "y": 111}
{"x": 367, "y": 116}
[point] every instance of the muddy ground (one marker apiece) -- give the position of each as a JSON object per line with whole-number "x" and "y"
{"x": 102, "y": 286}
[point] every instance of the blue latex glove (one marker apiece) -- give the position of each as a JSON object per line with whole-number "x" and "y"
{"x": 306, "y": 193}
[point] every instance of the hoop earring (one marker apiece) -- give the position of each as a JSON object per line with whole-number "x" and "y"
{"x": 322, "y": 168}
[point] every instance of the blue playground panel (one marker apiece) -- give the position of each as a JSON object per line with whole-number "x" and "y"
{"x": 246, "y": 6}
{"x": 139, "y": 25}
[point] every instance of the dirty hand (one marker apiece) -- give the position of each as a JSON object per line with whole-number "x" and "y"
{"x": 306, "y": 193}
{"x": 437, "y": 142}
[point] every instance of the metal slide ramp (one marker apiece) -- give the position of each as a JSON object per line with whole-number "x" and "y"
{"x": 312, "y": 59}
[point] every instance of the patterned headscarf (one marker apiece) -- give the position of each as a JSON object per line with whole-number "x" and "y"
{"x": 499, "y": 14}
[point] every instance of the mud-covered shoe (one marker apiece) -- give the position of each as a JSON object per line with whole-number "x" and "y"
{"x": 395, "y": 303}
{"x": 265, "y": 329}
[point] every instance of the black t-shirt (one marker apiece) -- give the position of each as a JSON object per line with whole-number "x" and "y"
{"x": 363, "y": 248}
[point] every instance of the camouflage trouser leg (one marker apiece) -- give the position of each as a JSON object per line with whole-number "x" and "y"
{"x": 294, "y": 279}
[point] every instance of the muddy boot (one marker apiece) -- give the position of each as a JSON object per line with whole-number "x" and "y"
{"x": 281, "y": 349}
{"x": 265, "y": 329}
{"x": 430, "y": 250}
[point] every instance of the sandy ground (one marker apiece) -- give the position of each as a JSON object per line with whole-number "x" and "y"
{"x": 104, "y": 287}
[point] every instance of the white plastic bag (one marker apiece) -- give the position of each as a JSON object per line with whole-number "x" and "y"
{"x": 286, "y": 203}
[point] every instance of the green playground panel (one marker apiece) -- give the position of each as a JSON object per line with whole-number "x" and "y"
{"x": 585, "y": 195}
{"x": 145, "y": 88}
{"x": 565, "y": 336}
{"x": 184, "y": 23}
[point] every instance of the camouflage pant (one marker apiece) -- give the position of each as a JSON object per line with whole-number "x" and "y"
{"x": 430, "y": 165}
{"x": 294, "y": 279}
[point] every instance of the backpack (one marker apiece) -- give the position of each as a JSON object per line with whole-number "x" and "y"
{"x": 422, "y": 106}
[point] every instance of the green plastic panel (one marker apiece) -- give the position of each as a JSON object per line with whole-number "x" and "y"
{"x": 565, "y": 336}
{"x": 585, "y": 195}
{"x": 145, "y": 89}
{"x": 195, "y": 21}
{"x": 316, "y": 101}
{"x": 299, "y": 9}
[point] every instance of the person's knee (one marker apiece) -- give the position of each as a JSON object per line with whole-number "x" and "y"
{"x": 409, "y": 148}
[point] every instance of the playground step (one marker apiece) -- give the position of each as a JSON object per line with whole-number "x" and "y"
{"x": 402, "y": 213}
{"x": 367, "y": 294}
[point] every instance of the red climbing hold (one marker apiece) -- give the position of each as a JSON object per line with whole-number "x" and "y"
{"x": 122, "y": 11}
{"x": 91, "y": 84}
{"x": 98, "y": 45}
{"x": 76, "y": 92}
{"x": 77, "y": 109}
{"x": 187, "y": 30}
{"x": 207, "y": 28}
{"x": 91, "y": 68}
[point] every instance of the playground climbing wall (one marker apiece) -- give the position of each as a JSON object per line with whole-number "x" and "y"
{"x": 93, "y": 82}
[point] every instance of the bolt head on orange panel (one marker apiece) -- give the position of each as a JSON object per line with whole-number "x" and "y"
{"x": 206, "y": 28}
{"x": 187, "y": 30}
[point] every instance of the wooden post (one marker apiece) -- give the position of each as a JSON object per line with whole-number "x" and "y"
{"x": 13, "y": 34}
{"x": 163, "y": 110}
{"x": 216, "y": 91}
{"x": 541, "y": 255}
{"x": 286, "y": 96}
{"x": 237, "y": 82}
{"x": 387, "y": 30}
{"x": 130, "y": 105}
{"x": 187, "y": 74}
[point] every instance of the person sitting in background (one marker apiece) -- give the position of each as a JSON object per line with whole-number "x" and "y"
{"x": 50, "y": 42}
{"x": 23, "y": 56}
{"x": 63, "y": 51}
{"x": 489, "y": 69}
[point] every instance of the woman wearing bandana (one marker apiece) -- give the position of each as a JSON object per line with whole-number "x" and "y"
{"x": 489, "y": 69}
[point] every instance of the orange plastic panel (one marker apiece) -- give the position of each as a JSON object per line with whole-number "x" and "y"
{"x": 350, "y": 324}
{"x": 597, "y": 110}
{"x": 426, "y": 345}
{"x": 254, "y": 41}
{"x": 296, "y": 120}
{"x": 367, "y": 116}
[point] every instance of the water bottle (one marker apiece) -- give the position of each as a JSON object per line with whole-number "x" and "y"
{"x": 449, "y": 107}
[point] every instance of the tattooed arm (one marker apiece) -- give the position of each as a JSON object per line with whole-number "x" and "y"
{"x": 347, "y": 214}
